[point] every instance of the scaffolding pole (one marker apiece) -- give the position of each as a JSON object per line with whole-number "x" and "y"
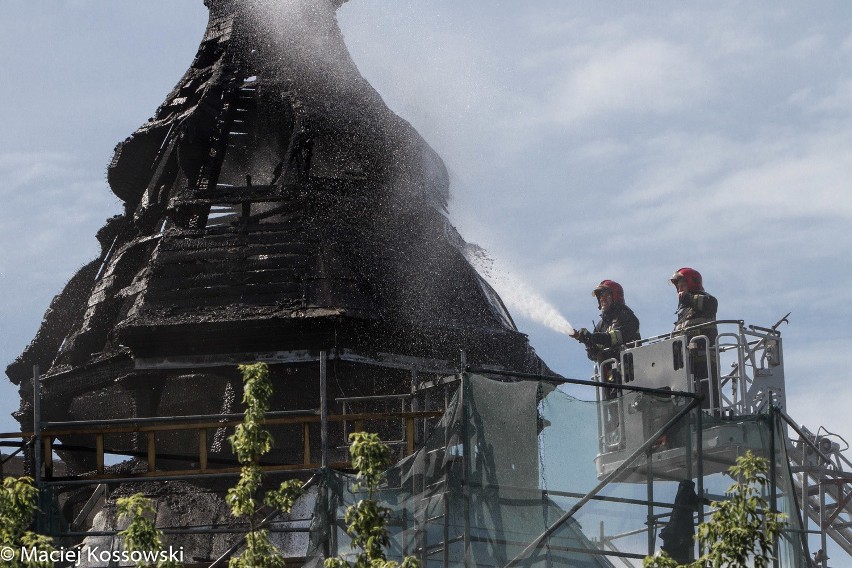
{"x": 467, "y": 454}
{"x": 533, "y": 546}
{"x": 37, "y": 426}
{"x": 773, "y": 483}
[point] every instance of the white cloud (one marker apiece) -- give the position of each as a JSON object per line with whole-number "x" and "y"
{"x": 19, "y": 168}
{"x": 56, "y": 205}
{"x": 57, "y": 201}
{"x": 837, "y": 100}
{"x": 729, "y": 42}
{"x": 808, "y": 46}
{"x": 644, "y": 76}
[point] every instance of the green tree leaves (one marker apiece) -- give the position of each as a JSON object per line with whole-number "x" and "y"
{"x": 742, "y": 529}
{"x": 370, "y": 459}
{"x": 366, "y": 520}
{"x": 18, "y": 506}
{"x": 251, "y": 441}
{"x": 141, "y": 535}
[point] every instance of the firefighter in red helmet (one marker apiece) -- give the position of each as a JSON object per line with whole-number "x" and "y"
{"x": 618, "y": 324}
{"x": 695, "y": 306}
{"x": 696, "y": 313}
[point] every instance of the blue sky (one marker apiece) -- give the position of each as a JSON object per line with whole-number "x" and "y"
{"x": 585, "y": 141}
{"x": 589, "y": 141}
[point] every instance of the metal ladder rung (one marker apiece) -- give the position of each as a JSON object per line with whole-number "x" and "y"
{"x": 430, "y": 551}
{"x": 440, "y": 482}
{"x": 435, "y": 496}
{"x": 438, "y": 547}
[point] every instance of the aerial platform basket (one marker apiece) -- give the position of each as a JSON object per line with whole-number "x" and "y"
{"x": 738, "y": 377}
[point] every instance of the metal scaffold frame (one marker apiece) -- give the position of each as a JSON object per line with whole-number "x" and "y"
{"x": 41, "y": 441}
{"x": 822, "y": 475}
{"x": 426, "y": 550}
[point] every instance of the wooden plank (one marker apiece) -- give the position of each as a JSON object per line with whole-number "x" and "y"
{"x": 99, "y": 453}
{"x": 219, "y": 269}
{"x": 22, "y": 435}
{"x": 305, "y": 421}
{"x": 280, "y": 235}
{"x": 250, "y": 254}
{"x": 206, "y": 242}
{"x": 202, "y": 449}
{"x": 271, "y": 300}
{"x": 226, "y": 254}
{"x": 212, "y": 295}
{"x": 196, "y": 279}
{"x": 152, "y": 452}
{"x": 184, "y": 472}
{"x": 306, "y": 440}
{"x": 409, "y": 436}
{"x": 189, "y": 425}
{"x": 48, "y": 456}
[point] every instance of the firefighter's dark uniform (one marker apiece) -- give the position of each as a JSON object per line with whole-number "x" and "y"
{"x": 618, "y": 325}
{"x": 694, "y": 309}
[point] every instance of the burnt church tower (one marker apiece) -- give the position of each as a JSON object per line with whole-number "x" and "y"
{"x": 274, "y": 207}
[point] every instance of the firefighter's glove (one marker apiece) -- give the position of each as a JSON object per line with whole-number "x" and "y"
{"x": 582, "y": 335}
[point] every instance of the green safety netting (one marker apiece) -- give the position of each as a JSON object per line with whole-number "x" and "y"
{"x": 522, "y": 474}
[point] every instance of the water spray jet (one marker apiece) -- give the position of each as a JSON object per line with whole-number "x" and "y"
{"x": 517, "y": 294}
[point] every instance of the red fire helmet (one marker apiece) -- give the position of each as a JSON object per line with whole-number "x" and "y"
{"x": 614, "y": 287}
{"x": 692, "y": 278}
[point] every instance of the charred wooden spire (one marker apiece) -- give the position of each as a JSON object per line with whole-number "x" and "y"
{"x": 273, "y": 203}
